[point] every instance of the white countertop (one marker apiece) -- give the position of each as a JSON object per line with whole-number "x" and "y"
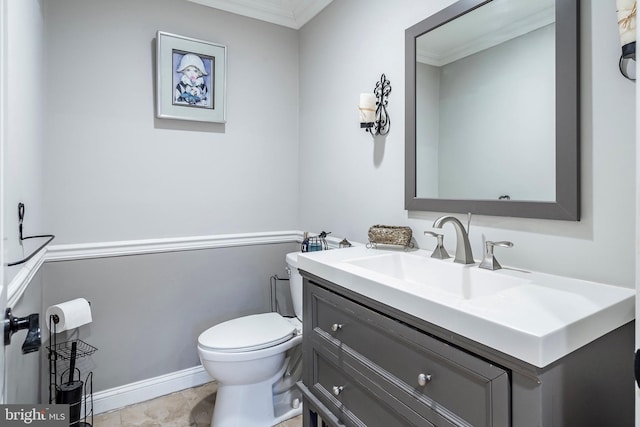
{"x": 534, "y": 317}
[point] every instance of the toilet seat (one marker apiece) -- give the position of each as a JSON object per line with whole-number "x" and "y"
{"x": 248, "y": 333}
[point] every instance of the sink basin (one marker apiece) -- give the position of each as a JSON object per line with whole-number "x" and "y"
{"x": 532, "y": 316}
{"x": 462, "y": 281}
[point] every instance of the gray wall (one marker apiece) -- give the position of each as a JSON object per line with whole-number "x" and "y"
{"x": 366, "y": 184}
{"x": 148, "y": 310}
{"x": 115, "y": 172}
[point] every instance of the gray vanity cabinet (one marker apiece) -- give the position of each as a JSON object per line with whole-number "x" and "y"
{"x": 366, "y": 368}
{"x": 368, "y": 364}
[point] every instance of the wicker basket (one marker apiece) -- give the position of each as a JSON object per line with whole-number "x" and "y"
{"x": 390, "y": 235}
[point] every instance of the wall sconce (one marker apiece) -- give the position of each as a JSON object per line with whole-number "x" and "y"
{"x": 373, "y": 108}
{"x": 626, "y": 10}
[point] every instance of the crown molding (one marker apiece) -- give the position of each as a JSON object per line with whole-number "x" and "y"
{"x": 289, "y": 13}
{"x": 471, "y": 43}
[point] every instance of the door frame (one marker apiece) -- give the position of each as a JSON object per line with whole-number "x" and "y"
{"x": 637, "y": 246}
{"x": 3, "y": 135}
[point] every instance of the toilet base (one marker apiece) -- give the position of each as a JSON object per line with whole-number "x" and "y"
{"x": 287, "y": 405}
{"x": 255, "y": 405}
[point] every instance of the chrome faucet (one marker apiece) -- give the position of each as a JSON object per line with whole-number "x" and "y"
{"x": 490, "y": 262}
{"x": 439, "y": 252}
{"x": 463, "y": 246}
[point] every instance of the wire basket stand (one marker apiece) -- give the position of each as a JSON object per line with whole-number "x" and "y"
{"x": 70, "y": 351}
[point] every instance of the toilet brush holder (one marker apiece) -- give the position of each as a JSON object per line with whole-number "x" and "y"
{"x": 71, "y": 394}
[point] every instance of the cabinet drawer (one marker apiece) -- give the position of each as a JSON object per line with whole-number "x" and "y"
{"x": 452, "y": 382}
{"x": 315, "y": 406}
{"x": 353, "y": 403}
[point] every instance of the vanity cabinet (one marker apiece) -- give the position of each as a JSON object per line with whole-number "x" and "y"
{"x": 367, "y": 364}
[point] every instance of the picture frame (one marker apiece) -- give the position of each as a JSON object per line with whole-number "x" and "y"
{"x": 190, "y": 79}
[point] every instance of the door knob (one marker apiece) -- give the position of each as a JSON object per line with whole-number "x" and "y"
{"x": 423, "y": 379}
{"x": 14, "y": 324}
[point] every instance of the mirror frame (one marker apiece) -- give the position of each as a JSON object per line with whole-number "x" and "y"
{"x": 567, "y": 55}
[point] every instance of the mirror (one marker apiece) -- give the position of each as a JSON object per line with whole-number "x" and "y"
{"x": 492, "y": 113}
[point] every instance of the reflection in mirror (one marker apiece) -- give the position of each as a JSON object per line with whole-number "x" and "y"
{"x": 489, "y": 126}
{"x": 485, "y": 103}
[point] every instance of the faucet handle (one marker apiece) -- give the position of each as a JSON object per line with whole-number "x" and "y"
{"x": 439, "y": 252}
{"x": 490, "y": 262}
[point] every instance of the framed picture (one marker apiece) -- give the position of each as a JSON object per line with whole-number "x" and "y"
{"x": 191, "y": 79}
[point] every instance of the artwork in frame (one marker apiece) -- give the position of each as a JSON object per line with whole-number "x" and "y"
{"x": 191, "y": 79}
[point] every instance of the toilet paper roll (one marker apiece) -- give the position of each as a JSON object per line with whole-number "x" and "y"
{"x": 71, "y": 314}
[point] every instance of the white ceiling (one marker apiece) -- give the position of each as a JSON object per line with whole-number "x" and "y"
{"x": 289, "y": 13}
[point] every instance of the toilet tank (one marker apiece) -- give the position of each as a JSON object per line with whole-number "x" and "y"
{"x": 295, "y": 283}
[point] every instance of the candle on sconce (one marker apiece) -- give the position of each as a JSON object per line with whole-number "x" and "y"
{"x": 626, "y": 10}
{"x": 367, "y": 107}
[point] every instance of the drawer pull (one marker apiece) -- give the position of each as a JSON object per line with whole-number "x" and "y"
{"x": 337, "y": 389}
{"x": 423, "y": 379}
{"x": 336, "y": 327}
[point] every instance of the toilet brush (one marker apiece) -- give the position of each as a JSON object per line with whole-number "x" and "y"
{"x": 71, "y": 392}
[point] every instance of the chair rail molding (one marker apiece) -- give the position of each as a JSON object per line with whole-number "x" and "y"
{"x": 23, "y": 277}
{"x": 69, "y": 252}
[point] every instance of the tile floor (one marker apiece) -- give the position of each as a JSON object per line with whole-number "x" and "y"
{"x": 191, "y": 407}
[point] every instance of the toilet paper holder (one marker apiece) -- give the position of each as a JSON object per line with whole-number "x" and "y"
{"x": 22, "y": 238}
{"x": 67, "y": 392}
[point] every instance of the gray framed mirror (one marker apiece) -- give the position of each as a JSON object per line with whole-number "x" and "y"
{"x": 492, "y": 110}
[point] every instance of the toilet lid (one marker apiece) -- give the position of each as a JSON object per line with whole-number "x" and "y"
{"x": 248, "y": 333}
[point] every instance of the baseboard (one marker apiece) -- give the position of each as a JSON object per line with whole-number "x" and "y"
{"x": 128, "y": 394}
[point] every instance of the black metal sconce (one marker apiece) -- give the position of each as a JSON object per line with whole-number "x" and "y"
{"x": 374, "y": 117}
{"x": 626, "y": 10}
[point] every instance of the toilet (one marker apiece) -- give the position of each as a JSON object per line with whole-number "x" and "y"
{"x": 256, "y": 361}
